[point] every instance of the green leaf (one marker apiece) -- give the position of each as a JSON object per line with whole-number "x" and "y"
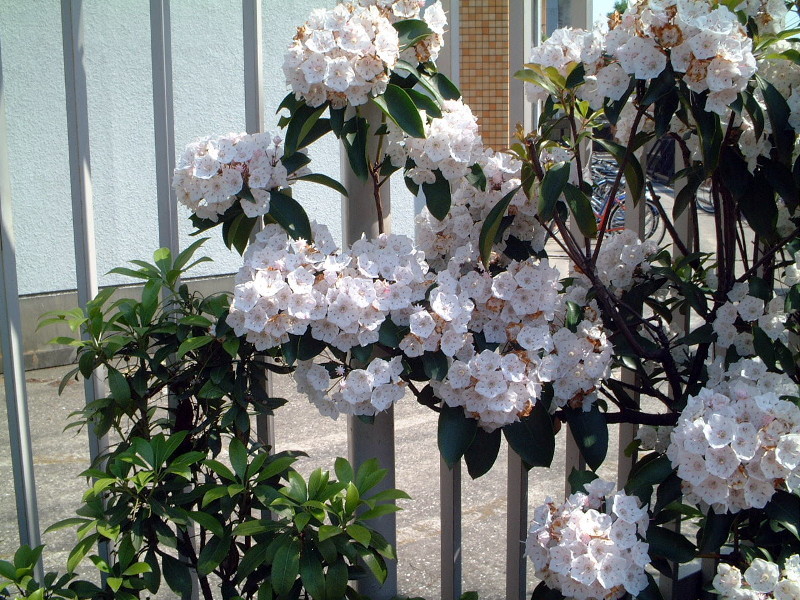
{"x": 759, "y": 206}
{"x": 437, "y": 196}
{"x": 542, "y": 592}
{"x": 435, "y": 365}
{"x": 532, "y": 437}
{"x": 581, "y": 207}
{"x": 374, "y": 562}
{"x": 715, "y": 531}
{"x": 324, "y": 180}
{"x": 411, "y": 31}
{"x": 446, "y": 88}
{"x": 207, "y": 521}
{"x": 455, "y": 433}
{"x": 286, "y": 566}
{"x": 213, "y": 554}
{"x": 578, "y": 480}
{"x": 660, "y": 86}
{"x": 344, "y": 470}
{"x": 359, "y": 533}
{"x": 193, "y": 343}
{"x": 177, "y": 575}
{"x": 591, "y": 434}
{"x": 670, "y": 544}
{"x": 312, "y": 576}
{"x": 426, "y": 103}
{"x": 491, "y": 226}
{"x": 355, "y": 145}
{"x": 634, "y": 175}
{"x": 652, "y": 470}
{"x": 288, "y": 213}
{"x": 778, "y": 112}
{"x": 328, "y": 531}
{"x": 251, "y": 560}
{"x": 553, "y": 184}
{"x": 400, "y": 108}
{"x": 785, "y": 509}
{"x": 238, "y": 455}
{"x": 476, "y": 177}
{"x": 336, "y": 580}
{"x": 118, "y": 385}
{"x": 482, "y": 452}
{"x": 302, "y": 121}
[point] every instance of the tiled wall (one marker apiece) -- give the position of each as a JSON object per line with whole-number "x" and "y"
{"x": 484, "y": 66}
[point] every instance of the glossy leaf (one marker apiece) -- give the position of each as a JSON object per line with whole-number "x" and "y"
{"x": 580, "y": 206}
{"x": 400, "y": 108}
{"x": 553, "y": 184}
{"x": 491, "y": 226}
{"x": 289, "y": 214}
{"x": 532, "y": 437}
{"x": 591, "y": 434}
{"x": 455, "y": 433}
{"x": 482, "y": 452}
{"x": 670, "y": 544}
{"x": 437, "y": 196}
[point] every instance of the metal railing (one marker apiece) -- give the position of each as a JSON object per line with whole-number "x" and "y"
{"x": 365, "y": 440}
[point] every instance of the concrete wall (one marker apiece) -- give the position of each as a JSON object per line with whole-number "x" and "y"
{"x": 209, "y": 99}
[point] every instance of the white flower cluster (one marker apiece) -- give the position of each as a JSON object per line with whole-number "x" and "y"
{"x": 705, "y": 41}
{"x": 587, "y": 553}
{"x": 451, "y": 144}
{"x": 212, "y": 171}
{"x": 733, "y": 447}
{"x": 342, "y": 55}
{"x": 458, "y": 234}
{"x": 287, "y": 287}
{"x": 654, "y": 437}
{"x": 521, "y": 306}
{"x": 763, "y": 580}
{"x": 359, "y": 392}
{"x": 767, "y": 14}
{"x": 770, "y": 318}
{"x": 426, "y": 49}
{"x": 562, "y": 50}
{"x": 623, "y": 258}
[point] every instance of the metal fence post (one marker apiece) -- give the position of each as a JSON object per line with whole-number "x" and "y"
{"x": 373, "y": 440}
{"x": 13, "y": 364}
{"x": 523, "y": 25}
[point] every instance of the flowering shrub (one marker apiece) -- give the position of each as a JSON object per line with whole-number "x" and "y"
{"x": 762, "y": 579}
{"x": 479, "y": 325}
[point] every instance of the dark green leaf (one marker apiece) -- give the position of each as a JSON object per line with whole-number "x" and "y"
{"x": 400, "y": 108}
{"x": 288, "y": 213}
{"x": 482, "y": 452}
{"x": 324, "y": 180}
{"x": 177, "y": 575}
{"x": 714, "y": 532}
{"x": 785, "y": 509}
{"x": 118, "y": 385}
{"x": 759, "y": 206}
{"x": 670, "y": 544}
{"x": 455, "y": 433}
{"x": 634, "y": 175}
{"x": 302, "y": 120}
{"x": 286, "y": 566}
{"x": 491, "y": 225}
{"x": 213, "y": 554}
{"x": 660, "y": 86}
{"x": 435, "y": 365}
{"x": 581, "y": 207}
{"x": 576, "y": 76}
{"x": 650, "y": 471}
{"x": 542, "y": 592}
{"x": 778, "y": 112}
{"x": 532, "y": 437}
{"x": 591, "y": 434}
{"x": 411, "y": 31}
{"x": 437, "y": 196}
{"x": 553, "y": 184}
{"x": 445, "y": 87}
{"x": 579, "y": 479}
{"x": 355, "y": 145}
{"x": 312, "y": 576}
{"x": 193, "y": 343}
{"x": 426, "y": 103}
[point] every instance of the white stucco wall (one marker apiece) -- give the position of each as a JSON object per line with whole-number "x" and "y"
{"x": 208, "y": 99}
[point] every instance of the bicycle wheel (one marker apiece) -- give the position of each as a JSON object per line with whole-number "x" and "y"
{"x": 705, "y": 201}
{"x": 654, "y": 228}
{"x": 616, "y": 218}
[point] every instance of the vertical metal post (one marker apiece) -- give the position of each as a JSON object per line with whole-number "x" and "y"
{"x": 370, "y": 440}
{"x": 13, "y": 364}
{"x": 634, "y": 220}
{"x": 522, "y": 23}
{"x": 254, "y": 122}
{"x": 164, "y": 140}
{"x": 450, "y": 515}
{"x": 163, "y": 123}
{"x": 81, "y": 181}
{"x": 450, "y": 479}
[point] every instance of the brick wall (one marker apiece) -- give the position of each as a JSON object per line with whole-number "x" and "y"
{"x": 484, "y": 66}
